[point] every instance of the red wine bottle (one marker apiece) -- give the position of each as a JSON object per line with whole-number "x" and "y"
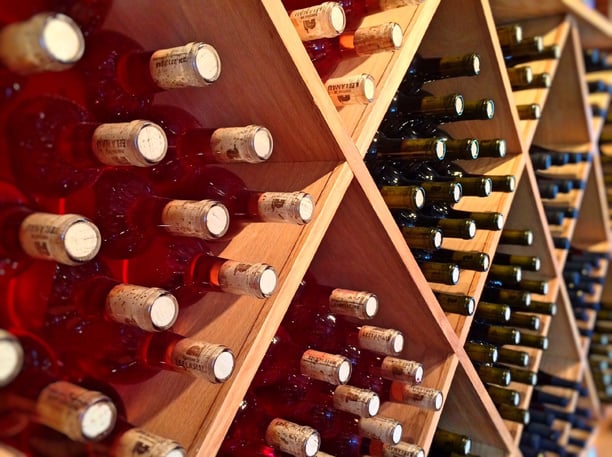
{"x": 246, "y": 205}
{"x": 254, "y": 433}
{"x": 25, "y": 233}
{"x": 326, "y": 54}
{"x": 191, "y": 147}
{"x": 130, "y": 215}
{"x": 121, "y": 78}
{"x": 117, "y": 353}
{"x": 57, "y": 147}
{"x": 47, "y": 292}
{"x": 316, "y": 20}
{"x": 188, "y": 269}
{"x": 43, "y": 394}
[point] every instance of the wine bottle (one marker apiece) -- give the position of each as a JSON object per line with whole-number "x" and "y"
{"x": 526, "y": 262}
{"x": 351, "y": 90}
{"x": 517, "y": 299}
{"x": 509, "y": 34}
{"x": 427, "y": 69}
{"x": 481, "y": 353}
{"x": 121, "y": 78}
{"x": 313, "y": 21}
{"x": 529, "y": 111}
{"x": 44, "y": 42}
{"x": 513, "y": 414}
{"x": 494, "y": 334}
{"x": 327, "y": 53}
{"x": 513, "y": 357}
{"x": 519, "y": 375}
{"x": 123, "y": 354}
{"x": 520, "y": 76}
{"x": 549, "y": 379}
{"x": 456, "y": 303}
{"x": 12, "y": 354}
{"x": 539, "y": 81}
{"x": 493, "y": 313}
{"x": 405, "y": 148}
{"x": 47, "y": 292}
{"x": 503, "y": 396}
{"x": 355, "y": 10}
{"x": 542, "y": 396}
{"x": 285, "y": 359}
{"x": 416, "y": 395}
{"x": 69, "y": 239}
{"x": 505, "y": 275}
{"x": 188, "y": 269}
{"x": 355, "y": 437}
{"x": 57, "y": 147}
{"x": 531, "y": 50}
{"x": 547, "y": 189}
{"x": 124, "y": 439}
{"x": 420, "y": 107}
{"x": 524, "y": 321}
{"x": 191, "y": 147}
{"x": 446, "y": 441}
{"x": 494, "y": 374}
{"x": 499, "y": 183}
{"x": 403, "y": 197}
{"x": 402, "y": 449}
{"x": 130, "y": 215}
{"x": 313, "y": 297}
{"x": 41, "y": 393}
{"x": 485, "y": 220}
{"x": 494, "y": 148}
{"x": 534, "y": 340}
{"x": 440, "y": 272}
{"x": 467, "y": 260}
{"x": 452, "y": 228}
{"x": 301, "y": 399}
{"x": 519, "y": 237}
{"x": 255, "y": 433}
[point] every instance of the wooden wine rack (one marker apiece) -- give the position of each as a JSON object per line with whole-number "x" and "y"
{"x": 353, "y": 241}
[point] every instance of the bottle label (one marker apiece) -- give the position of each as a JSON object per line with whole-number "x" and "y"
{"x": 395, "y": 369}
{"x": 422, "y": 397}
{"x": 287, "y": 207}
{"x": 149, "y": 308}
{"x": 378, "y": 38}
{"x": 198, "y": 358}
{"x": 380, "y": 340}
{"x": 385, "y": 429}
{"x": 191, "y": 65}
{"x": 330, "y": 368}
{"x": 253, "y": 279}
{"x": 296, "y": 440}
{"x": 205, "y": 219}
{"x": 351, "y": 399}
{"x": 321, "y": 21}
{"x": 351, "y": 90}
{"x": 137, "y": 441}
{"x": 78, "y": 413}
{"x": 45, "y": 42}
{"x": 352, "y": 303}
{"x": 69, "y": 239}
{"x": 138, "y": 143}
{"x": 251, "y": 144}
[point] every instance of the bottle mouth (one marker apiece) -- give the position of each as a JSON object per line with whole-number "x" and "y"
{"x": 81, "y": 240}
{"x": 11, "y": 358}
{"x": 62, "y": 39}
{"x": 223, "y": 366}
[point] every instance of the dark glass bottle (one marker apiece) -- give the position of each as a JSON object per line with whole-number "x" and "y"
{"x": 513, "y": 357}
{"x": 499, "y": 183}
{"x": 540, "y": 81}
{"x": 480, "y": 352}
{"x": 485, "y": 220}
{"x": 452, "y": 228}
{"x": 456, "y": 303}
{"x": 122, "y": 78}
{"x": 494, "y": 334}
{"x": 426, "y": 69}
{"x": 467, "y": 260}
{"x": 526, "y": 262}
{"x": 446, "y": 441}
{"x": 509, "y": 34}
{"x": 405, "y": 148}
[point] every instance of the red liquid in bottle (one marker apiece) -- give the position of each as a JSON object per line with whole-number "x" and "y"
{"x": 115, "y": 353}
{"x": 120, "y": 79}
{"x": 188, "y": 269}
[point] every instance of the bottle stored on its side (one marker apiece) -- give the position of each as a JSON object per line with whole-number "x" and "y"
{"x": 57, "y": 147}
{"x": 40, "y": 391}
{"x": 327, "y": 53}
{"x": 316, "y": 20}
{"x": 122, "y": 78}
{"x": 456, "y": 303}
{"x": 70, "y": 239}
{"x": 46, "y": 292}
{"x": 117, "y": 353}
